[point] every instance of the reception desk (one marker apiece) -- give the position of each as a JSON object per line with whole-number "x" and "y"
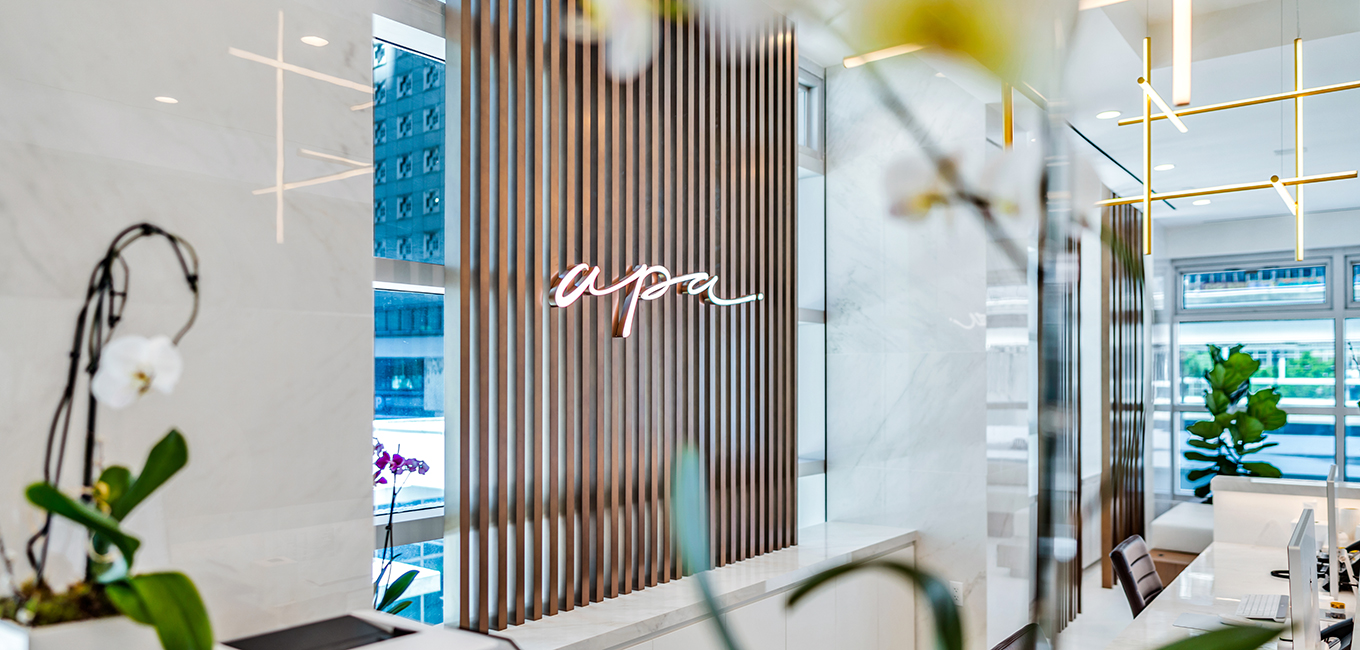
{"x": 1212, "y": 584}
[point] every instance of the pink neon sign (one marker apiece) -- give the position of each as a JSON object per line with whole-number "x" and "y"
{"x": 577, "y": 281}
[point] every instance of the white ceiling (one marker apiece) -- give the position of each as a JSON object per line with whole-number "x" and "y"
{"x": 1242, "y": 49}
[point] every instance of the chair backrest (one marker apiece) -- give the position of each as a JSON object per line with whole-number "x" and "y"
{"x": 1026, "y": 638}
{"x": 1135, "y": 571}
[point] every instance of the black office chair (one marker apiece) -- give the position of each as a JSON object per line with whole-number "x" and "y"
{"x": 1026, "y": 638}
{"x": 1135, "y": 571}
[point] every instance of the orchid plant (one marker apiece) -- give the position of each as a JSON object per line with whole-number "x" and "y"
{"x": 120, "y": 372}
{"x": 392, "y": 465}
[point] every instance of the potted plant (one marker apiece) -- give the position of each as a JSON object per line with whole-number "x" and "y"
{"x": 112, "y": 606}
{"x": 1236, "y": 430}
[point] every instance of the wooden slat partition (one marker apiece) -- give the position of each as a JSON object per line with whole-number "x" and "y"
{"x": 1125, "y": 418}
{"x": 568, "y": 434}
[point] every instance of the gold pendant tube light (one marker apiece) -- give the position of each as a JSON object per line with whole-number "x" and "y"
{"x": 1147, "y": 147}
{"x": 1181, "y": 11}
{"x": 1294, "y": 203}
{"x": 1298, "y": 149}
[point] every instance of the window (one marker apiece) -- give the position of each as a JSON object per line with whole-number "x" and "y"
{"x": 1355, "y": 283}
{"x": 1299, "y": 285}
{"x": 408, "y": 392}
{"x": 379, "y": 211}
{"x": 431, "y": 160}
{"x": 1351, "y": 349}
{"x": 1298, "y": 358}
{"x": 410, "y": 164}
{"x": 430, "y": 78}
{"x": 1304, "y": 331}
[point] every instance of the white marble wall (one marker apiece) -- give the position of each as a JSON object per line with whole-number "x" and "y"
{"x": 906, "y": 368}
{"x": 272, "y": 516}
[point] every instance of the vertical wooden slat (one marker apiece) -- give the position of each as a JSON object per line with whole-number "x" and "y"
{"x": 500, "y": 301}
{"x": 628, "y": 379}
{"x": 661, "y": 370}
{"x": 791, "y": 275}
{"x": 555, "y": 404}
{"x": 572, "y": 485}
{"x": 602, "y": 432}
{"x": 464, "y": 316}
{"x": 483, "y": 330}
{"x": 521, "y": 236}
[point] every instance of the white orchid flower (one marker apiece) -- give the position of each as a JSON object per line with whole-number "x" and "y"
{"x": 1012, "y": 180}
{"x": 915, "y": 186}
{"x": 130, "y": 366}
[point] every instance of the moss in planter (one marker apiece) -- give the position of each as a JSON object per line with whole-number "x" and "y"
{"x": 81, "y": 602}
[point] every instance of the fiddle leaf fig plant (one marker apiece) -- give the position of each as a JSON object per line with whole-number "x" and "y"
{"x": 167, "y": 601}
{"x": 1236, "y": 430}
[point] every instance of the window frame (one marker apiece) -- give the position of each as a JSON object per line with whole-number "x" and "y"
{"x": 421, "y": 524}
{"x": 1337, "y": 308}
{"x": 1351, "y": 261}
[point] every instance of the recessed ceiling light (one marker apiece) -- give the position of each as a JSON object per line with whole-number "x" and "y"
{"x": 315, "y": 41}
{"x": 1166, "y": 167}
{"x": 939, "y": 74}
{"x": 167, "y": 100}
{"x": 1108, "y": 115}
{"x": 1203, "y": 202}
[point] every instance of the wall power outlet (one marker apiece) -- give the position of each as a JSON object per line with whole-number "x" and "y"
{"x": 956, "y": 590}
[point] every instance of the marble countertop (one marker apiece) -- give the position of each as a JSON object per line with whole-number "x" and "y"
{"x": 658, "y": 609}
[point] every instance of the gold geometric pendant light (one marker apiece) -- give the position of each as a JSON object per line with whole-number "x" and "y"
{"x": 1295, "y": 203}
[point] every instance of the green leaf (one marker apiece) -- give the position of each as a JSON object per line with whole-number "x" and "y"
{"x": 1216, "y": 378}
{"x": 1204, "y": 444}
{"x": 1216, "y": 354}
{"x": 175, "y": 609}
{"x": 1203, "y": 490}
{"x": 1263, "y": 405}
{"x": 1216, "y": 401}
{"x": 1248, "y": 429}
{"x": 396, "y": 589}
{"x": 1236, "y": 638}
{"x": 169, "y": 455}
{"x": 948, "y": 625}
{"x": 400, "y": 607}
{"x": 1266, "y": 445}
{"x": 1197, "y": 474}
{"x": 1262, "y": 469}
{"x": 48, "y": 498}
{"x": 1240, "y": 367}
{"x": 117, "y": 478}
{"x": 125, "y": 598}
{"x": 689, "y": 519}
{"x": 1195, "y": 455}
{"x": 1205, "y": 429}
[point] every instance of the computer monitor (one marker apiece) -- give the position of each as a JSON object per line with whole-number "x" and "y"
{"x": 1333, "y": 565}
{"x": 1303, "y": 609}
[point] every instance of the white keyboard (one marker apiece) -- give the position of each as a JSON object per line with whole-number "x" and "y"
{"x": 1264, "y": 606}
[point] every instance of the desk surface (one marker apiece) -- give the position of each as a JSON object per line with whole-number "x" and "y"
{"x": 1212, "y": 584}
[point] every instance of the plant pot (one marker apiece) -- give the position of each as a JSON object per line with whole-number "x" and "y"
{"x": 100, "y": 634}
